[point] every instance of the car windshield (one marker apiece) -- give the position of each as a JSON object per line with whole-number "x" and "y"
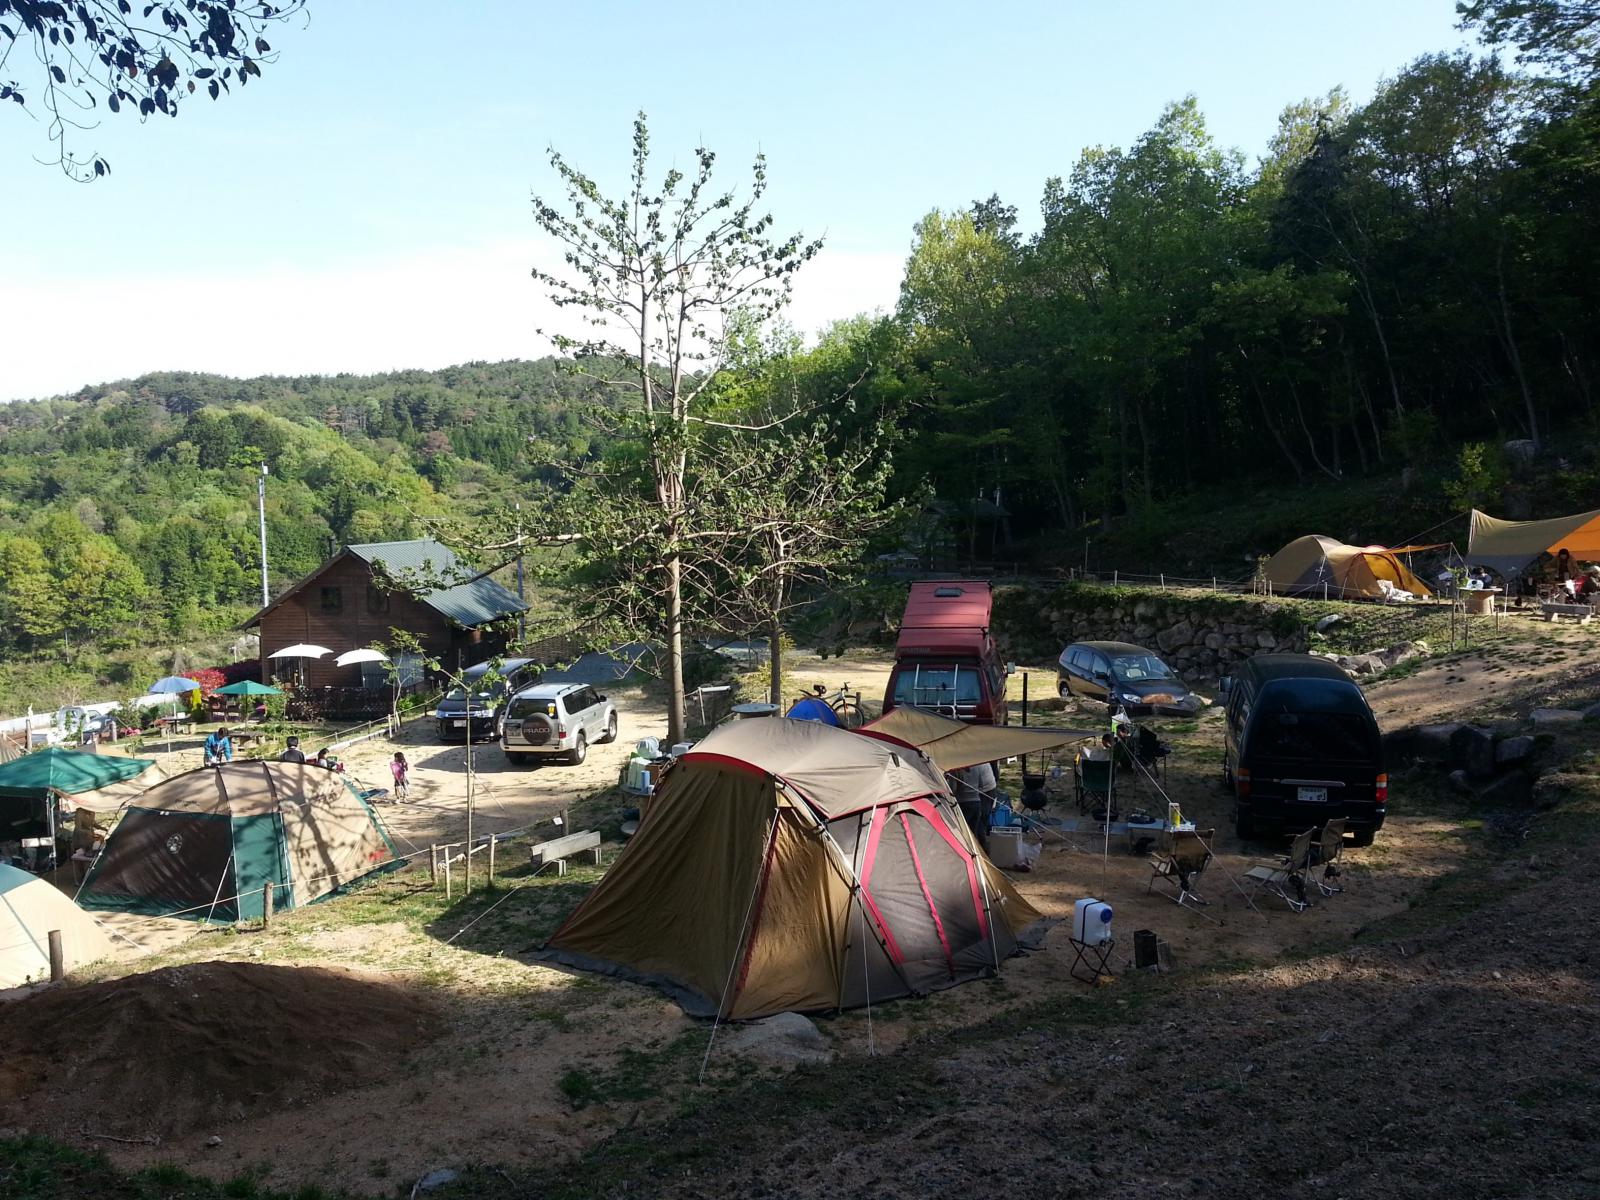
{"x": 1316, "y": 720}
{"x": 937, "y": 686}
{"x": 460, "y": 693}
{"x": 1140, "y": 668}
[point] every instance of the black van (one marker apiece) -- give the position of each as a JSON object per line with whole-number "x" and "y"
{"x": 1302, "y": 747}
{"x": 483, "y": 708}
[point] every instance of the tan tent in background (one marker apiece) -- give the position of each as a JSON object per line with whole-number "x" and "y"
{"x": 1317, "y": 565}
{"x": 955, "y": 744}
{"x": 786, "y": 865}
{"x": 30, "y": 909}
{"x": 1510, "y": 546}
{"x": 205, "y": 843}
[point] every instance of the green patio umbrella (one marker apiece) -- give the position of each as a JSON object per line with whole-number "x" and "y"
{"x": 248, "y": 687}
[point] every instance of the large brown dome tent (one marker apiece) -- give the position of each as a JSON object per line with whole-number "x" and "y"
{"x": 785, "y": 865}
{"x": 205, "y": 843}
{"x": 1318, "y": 566}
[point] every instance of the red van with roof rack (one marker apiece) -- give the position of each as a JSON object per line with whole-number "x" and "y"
{"x": 945, "y": 658}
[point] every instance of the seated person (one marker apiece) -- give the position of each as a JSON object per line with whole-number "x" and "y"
{"x": 1589, "y": 585}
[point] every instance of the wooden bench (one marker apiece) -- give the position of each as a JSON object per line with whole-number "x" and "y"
{"x": 1551, "y": 610}
{"x": 558, "y": 850}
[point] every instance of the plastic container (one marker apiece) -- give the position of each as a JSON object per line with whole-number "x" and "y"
{"x": 1005, "y": 846}
{"x": 648, "y": 747}
{"x": 1091, "y": 921}
{"x": 679, "y": 749}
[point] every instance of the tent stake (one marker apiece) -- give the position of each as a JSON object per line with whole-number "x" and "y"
{"x": 266, "y": 905}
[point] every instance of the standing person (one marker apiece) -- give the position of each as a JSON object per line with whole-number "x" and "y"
{"x": 401, "y": 770}
{"x": 218, "y": 748}
{"x": 1564, "y": 569}
{"x": 974, "y": 793}
{"x": 292, "y": 752}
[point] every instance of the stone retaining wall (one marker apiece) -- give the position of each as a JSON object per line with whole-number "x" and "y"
{"x": 1198, "y": 633}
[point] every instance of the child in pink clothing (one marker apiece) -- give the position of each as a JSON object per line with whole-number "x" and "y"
{"x": 400, "y": 769}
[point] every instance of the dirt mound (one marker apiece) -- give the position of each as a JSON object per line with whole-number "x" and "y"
{"x": 190, "y": 1047}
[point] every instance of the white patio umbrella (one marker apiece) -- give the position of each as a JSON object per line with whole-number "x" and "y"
{"x": 300, "y": 650}
{"x": 350, "y": 657}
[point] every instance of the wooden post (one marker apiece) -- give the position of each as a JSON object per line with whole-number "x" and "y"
{"x": 562, "y": 821}
{"x": 58, "y": 959}
{"x": 433, "y": 865}
{"x": 492, "y": 839}
{"x": 447, "y": 873}
{"x": 266, "y": 905}
{"x": 1163, "y": 578}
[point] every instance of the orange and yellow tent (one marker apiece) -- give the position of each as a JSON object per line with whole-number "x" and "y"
{"x": 1316, "y": 565}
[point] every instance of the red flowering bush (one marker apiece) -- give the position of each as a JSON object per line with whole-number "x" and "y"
{"x": 209, "y": 679}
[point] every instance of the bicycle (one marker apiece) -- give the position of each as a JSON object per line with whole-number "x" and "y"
{"x": 846, "y": 705}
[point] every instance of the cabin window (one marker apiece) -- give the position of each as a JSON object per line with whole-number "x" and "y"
{"x": 377, "y": 600}
{"x": 332, "y": 599}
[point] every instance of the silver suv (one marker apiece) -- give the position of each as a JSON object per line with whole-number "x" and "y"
{"x": 557, "y": 718}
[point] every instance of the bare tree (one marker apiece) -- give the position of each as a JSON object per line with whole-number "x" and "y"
{"x": 656, "y": 277}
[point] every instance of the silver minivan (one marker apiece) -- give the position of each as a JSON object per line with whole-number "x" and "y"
{"x": 556, "y": 718}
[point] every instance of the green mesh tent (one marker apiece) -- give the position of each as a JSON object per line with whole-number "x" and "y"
{"x": 204, "y": 844}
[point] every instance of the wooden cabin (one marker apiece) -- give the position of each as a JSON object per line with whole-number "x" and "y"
{"x": 357, "y": 596}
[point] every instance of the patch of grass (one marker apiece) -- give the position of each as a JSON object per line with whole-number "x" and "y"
{"x": 34, "y": 1168}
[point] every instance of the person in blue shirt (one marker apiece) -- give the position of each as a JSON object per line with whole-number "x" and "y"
{"x": 218, "y": 748}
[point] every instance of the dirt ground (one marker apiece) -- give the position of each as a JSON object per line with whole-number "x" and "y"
{"x": 1273, "y": 1017}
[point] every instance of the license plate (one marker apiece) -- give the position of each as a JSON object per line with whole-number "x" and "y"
{"x": 1313, "y": 795}
{"x": 463, "y": 725}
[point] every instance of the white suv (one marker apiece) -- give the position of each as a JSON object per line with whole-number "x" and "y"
{"x": 557, "y": 718}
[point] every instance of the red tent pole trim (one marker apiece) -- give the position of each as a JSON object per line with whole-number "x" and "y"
{"x": 867, "y": 861}
{"x": 936, "y": 819}
{"x": 933, "y": 909}
{"x": 724, "y": 760}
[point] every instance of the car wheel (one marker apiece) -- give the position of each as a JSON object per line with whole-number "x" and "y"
{"x": 516, "y": 760}
{"x": 579, "y": 751}
{"x": 1243, "y": 825}
{"x": 1362, "y": 837}
{"x": 443, "y": 732}
{"x": 611, "y": 729}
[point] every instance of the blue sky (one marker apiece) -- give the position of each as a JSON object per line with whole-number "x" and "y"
{"x": 364, "y": 206}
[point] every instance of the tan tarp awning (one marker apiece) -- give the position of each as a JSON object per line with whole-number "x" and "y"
{"x": 1508, "y": 546}
{"x": 955, "y": 744}
{"x": 114, "y": 796}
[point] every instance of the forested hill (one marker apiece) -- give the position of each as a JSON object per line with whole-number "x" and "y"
{"x": 137, "y": 498}
{"x": 1188, "y": 360}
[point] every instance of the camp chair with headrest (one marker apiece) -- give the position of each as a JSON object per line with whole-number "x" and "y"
{"x": 1150, "y": 750}
{"x": 1325, "y": 855}
{"x": 1285, "y": 877}
{"x": 1392, "y": 594}
{"x": 1184, "y": 858}
{"x": 1095, "y": 785}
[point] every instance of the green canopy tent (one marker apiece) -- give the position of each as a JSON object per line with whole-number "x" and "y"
{"x": 33, "y": 785}
{"x": 248, "y": 687}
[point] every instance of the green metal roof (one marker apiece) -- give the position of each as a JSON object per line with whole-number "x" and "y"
{"x": 66, "y": 771}
{"x": 477, "y": 601}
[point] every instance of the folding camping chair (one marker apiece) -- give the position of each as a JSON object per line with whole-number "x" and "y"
{"x": 1151, "y": 751}
{"x": 1325, "y": 854}
{"x": 1094, "y": 785}
{"x": 1187, "y": 853}
{"x": 1285, "y": 877}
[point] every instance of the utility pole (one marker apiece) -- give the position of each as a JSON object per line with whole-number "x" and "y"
{"x": 261, "y": 516}
{"x": 522, "y": 617}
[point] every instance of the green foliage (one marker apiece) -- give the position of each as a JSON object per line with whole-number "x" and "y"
{"x": 1480, "y": 477}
